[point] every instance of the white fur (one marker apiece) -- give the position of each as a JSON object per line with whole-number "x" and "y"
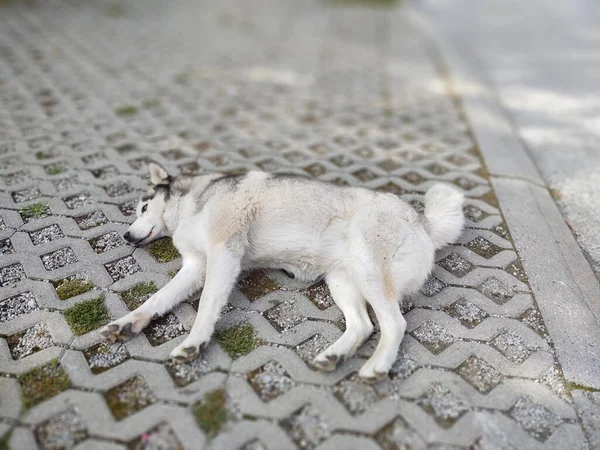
{"x": 371, "y": 247}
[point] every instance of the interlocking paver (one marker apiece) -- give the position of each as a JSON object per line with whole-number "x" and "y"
{"x": 347, "y": 95}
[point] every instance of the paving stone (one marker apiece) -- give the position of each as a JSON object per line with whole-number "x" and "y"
{"x": 399, "y": 435}
{"x": 308, "y": 428}
{"x": 534, "y": 418}
{"x": 160, "y": 437}
{"x": 356, "y": 395}
{"x": 270, "y": 381}
{"x": 433, "y": 336}
{"x": 129, "y": 397}
{"x": 481, "y": 375}
{"x": 63, "y": 430}
{"x": 512, "y": 346}
{"x": 316, "y": 108}
{"x": 496, "y": 290}
{"x": 456, "y": 265}
{"x": 284, "y": 316}
{"x": 443, "y": 404}
{"x": 469, "y": 314}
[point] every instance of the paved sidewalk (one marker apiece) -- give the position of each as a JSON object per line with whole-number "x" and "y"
{"x": 92, "y": 91}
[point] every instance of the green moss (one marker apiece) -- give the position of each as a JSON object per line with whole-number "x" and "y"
{"x": 172, "y": 273}
{"x": 124, "y": 111}
{"x": 183, "y": 77}
{"x": 151, "y": 103}
{"x": 4, "y": 440}
{"x": 70, "y": 288}
{"x": 138, "y": 294}
{"x": 582, "y": 387}
{"x": 43, "y": 155}
{"x": 238, "y": 340}
{"x": 257, "y": 285}
{"x": 35, "y": 211}
{"x": 87, "y": 316}
{"x": 555, "y": 193}
{"x": 211, "y": 413}
{"x": 163, "y": 250}
{"x": 115, "y": 9}
{"x": 43, "y": 383}
{"x": 55, "y": 169}
{"x": 129, "y": 397}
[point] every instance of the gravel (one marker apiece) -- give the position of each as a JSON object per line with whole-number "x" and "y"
{"x": 308, "y": 428}
{"x": 92, "y": 220}
{"x": 16, "y": 306}
{"x": 103, "y": 356}
{"x": 59, "y": 258}
{"x": 11, "y": 274}
{"x": 270, "y": 381}
{"x": 45, "y": 235}
{"x": 30, "y": 341}
{"x": 534, "y": 418}
{"x": 433, "y": 336}
{"x": 284, "y": 316}
{"x": 122, "y": 268}
{"x": 62, "y": 431}
{"x": 512, "y": 346}
{"x": 443, "y": 404}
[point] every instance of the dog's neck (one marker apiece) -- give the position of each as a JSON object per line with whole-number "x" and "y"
{"x": 183, "y": 201}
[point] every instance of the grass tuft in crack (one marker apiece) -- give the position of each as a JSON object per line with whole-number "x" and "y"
{"x": 211, "y": 412}
{"x": 87, "y": 316}
{"x": 238, "y": 340}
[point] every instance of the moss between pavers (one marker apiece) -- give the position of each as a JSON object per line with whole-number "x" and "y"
{"x": 138, "y": 294}
{"x": 55, "y": 169}
{"x": 238, "y": 340}
{"x": 151, "y": 103}
{"x": 211, "y": 413}
{"x": 163, "y": 250}
{"x": 43, "y": 383}
{"x": 4, "y": 440}
{"x": 87, "y": 316}
{"x": 43, "y": 155}
{"x": 124, "y": 111}
{"x": 581, "y": 387}
{"x": 115, "y": 9}
{"x": 257, "y": 285}
{"x": 70, "y": 288}
{"x": 34, "y": 211}
{"x": 129, "y": 397}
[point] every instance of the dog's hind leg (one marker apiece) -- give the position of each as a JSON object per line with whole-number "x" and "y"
{"x": 187, "y": 281}
{"x": 383, "y": 299}
{"x": 222, "y": 270}
{"x": 358, "y": 324}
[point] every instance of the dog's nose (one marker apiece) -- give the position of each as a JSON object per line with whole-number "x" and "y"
{"x": 127, "y": 235}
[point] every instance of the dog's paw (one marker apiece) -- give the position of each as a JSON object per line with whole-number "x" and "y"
{"x": 186, "y": 352}
{"x": 327, "y": 362}
{"x": 123, "y": 329}
{"x": 371, "y": 373}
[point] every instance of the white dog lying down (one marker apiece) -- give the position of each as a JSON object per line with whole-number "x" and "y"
{"x": 371, "y": 247}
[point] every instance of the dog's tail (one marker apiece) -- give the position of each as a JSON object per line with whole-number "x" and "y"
{"x": 444, "y": 215}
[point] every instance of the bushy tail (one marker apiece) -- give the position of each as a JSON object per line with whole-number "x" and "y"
{"x": 443, "y": 211}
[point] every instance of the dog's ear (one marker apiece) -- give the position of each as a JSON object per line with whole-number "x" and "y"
{"x": 158, "y": 175}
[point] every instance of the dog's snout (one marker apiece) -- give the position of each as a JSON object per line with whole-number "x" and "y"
{"x": 127, "y": 236}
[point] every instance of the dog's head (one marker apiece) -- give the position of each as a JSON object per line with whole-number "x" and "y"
{"x": 150, "y": 224}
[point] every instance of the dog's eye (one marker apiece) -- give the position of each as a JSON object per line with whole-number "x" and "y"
{"x": 144, "y": 208}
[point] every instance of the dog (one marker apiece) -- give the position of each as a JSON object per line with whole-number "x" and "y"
{"x": 370, "y": 247}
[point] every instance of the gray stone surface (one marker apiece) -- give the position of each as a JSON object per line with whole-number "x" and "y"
{"x": 90, "y": 92}
{"x": 542, "y": 60}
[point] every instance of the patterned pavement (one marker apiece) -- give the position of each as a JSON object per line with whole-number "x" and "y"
{"x": 92, "y": 91}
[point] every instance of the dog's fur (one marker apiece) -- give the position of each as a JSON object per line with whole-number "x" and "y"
{"x": 371, "y": 247}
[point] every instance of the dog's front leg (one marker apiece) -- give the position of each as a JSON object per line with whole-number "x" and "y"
{"x": 187, "y": 281}
{"x": 223, "y": 268}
